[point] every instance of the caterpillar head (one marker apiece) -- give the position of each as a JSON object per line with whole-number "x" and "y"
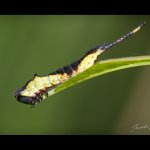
{"x": 24, "y": 99}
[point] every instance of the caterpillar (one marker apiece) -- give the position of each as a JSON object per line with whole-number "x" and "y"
{"x": 37, "y": 89}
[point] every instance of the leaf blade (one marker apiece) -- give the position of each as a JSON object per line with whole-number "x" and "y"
{"x": 103, "y": 67}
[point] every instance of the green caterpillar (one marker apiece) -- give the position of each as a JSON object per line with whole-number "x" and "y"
{"x": 37, "y": 89}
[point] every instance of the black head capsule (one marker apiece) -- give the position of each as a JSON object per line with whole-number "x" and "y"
{"x": 24, "y": 99}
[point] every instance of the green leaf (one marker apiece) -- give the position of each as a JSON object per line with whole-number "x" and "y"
{"x": 103, "y": 67}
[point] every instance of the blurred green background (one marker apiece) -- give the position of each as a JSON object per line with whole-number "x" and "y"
{"x": 108, "y": 104}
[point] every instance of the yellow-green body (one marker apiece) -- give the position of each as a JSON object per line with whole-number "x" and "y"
{"x": 42, "y": 83}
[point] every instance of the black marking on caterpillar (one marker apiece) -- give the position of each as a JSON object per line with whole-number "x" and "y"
{"x": 34, "y": 90}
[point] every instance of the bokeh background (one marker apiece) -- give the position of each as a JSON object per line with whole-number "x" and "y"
{"x": 108, "y": 104}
